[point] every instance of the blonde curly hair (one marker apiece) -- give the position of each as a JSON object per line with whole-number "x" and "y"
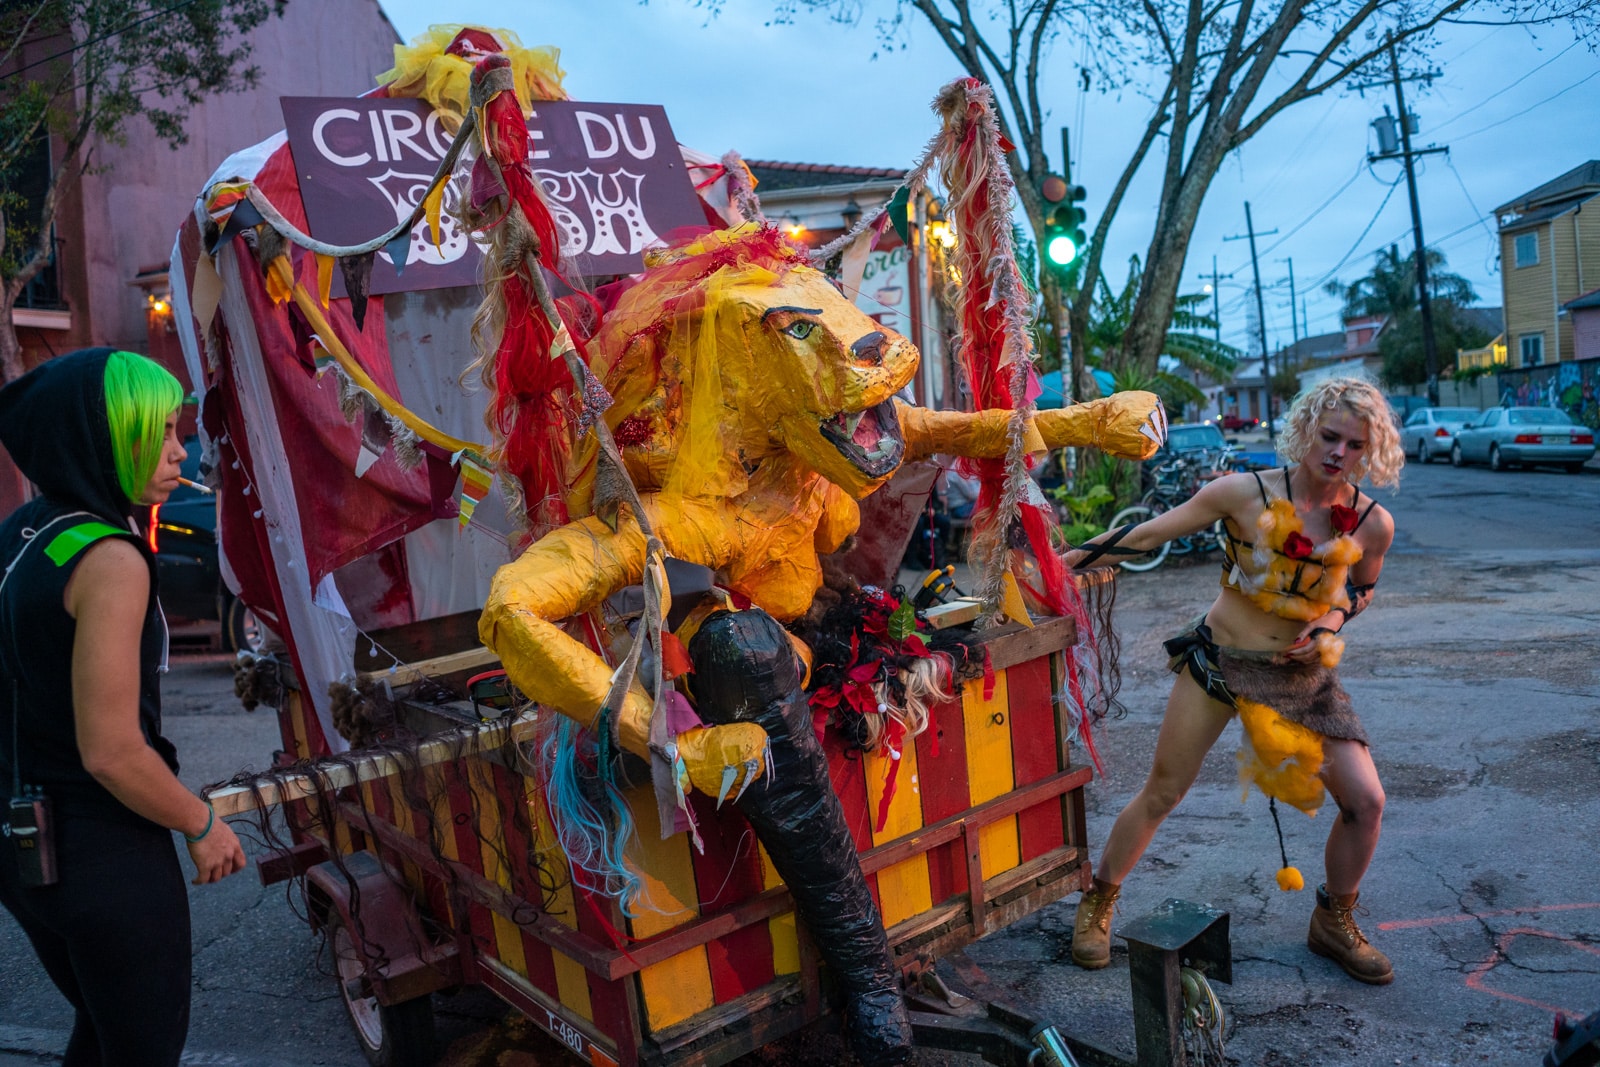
{"x": 1381, "y": 460}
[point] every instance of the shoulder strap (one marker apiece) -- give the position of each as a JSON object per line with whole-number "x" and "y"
{"x": 1364, "y": 514}
{"x": 1288, "y": 488}
{"x": 69, "y": 542}
{"x": 1263, "y": 487}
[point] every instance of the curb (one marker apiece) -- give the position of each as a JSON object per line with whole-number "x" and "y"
{"x": 27, "y": 1045}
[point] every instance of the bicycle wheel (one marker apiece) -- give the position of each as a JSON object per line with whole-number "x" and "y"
{"x": 1149, "y": 561}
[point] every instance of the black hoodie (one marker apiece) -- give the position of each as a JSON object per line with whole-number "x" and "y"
{"x": 53, "y": 422}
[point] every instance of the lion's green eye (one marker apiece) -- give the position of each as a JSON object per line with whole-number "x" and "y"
{"x": 800, "y": 329}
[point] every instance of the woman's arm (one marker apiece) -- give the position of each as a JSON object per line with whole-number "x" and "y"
{"x": 107, "y": 596}
{"x": 1217, "y": 500}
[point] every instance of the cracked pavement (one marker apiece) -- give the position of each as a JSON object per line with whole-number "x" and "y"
{"x": 1476, "y": 674}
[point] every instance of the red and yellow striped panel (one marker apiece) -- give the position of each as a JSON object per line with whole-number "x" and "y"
{"x": 676, "y": 988}
{"x": 904, "y": 889}
{"x": 942, "y": 783}
{"x": 729, "y": 871}
{"x": 989, "y": 770}
{"x": 571, "y": 978}
{"x": 1035, "y": 752}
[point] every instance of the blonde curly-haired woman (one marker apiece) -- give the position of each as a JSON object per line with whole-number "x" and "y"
{"x": 1304, "y": 548}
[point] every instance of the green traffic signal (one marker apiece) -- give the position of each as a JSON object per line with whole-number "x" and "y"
{"x": 1061, "y": 249}
{"x": 1063, "y": 234}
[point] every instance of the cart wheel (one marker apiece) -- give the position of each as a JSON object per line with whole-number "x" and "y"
{"x": 396, "y": 1035}
{"x": 241, "y": 630}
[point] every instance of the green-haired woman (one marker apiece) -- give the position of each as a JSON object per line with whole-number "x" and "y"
{"x": 89, "y": 871}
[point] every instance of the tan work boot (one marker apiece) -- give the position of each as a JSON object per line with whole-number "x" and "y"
{"x": 1334, "y": 934}
{"x": 1091, "y": 930}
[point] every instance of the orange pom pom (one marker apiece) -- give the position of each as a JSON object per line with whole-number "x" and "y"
{"x": 1290, "y": 880}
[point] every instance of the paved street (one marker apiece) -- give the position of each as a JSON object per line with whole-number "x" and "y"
{"x": 1475, "y": 674}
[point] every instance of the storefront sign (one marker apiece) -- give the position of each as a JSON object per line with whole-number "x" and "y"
{"x": 886, "y": 289}
{"x": 612, "y": 175}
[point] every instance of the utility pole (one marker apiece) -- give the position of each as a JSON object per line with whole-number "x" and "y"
{"x": 1430, "y": 345}
{"x": 1261, "y": 313}
{"x": 1215, "y": 281}
{"x": 1294, "y": 321}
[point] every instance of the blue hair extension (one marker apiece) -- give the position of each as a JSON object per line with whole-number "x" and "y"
{"x": 594, "y": 838}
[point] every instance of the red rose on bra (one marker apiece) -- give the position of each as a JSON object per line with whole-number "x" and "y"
{"x": 1298, "y": 546}
{"x": 1344, "y": 519}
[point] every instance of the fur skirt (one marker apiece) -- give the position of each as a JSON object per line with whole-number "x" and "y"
{"x": 1307, "y": 694}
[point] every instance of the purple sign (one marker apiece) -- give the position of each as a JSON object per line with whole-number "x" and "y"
{"x": 612, "y": 175}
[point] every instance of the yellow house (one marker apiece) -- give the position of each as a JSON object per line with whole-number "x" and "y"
{"x": 1549, "y": 254}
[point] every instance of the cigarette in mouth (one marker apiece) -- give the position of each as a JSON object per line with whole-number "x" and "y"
{"x": 207, "y": 490}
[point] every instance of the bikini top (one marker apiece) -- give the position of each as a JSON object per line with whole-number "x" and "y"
{"x": 1283, "y": 572}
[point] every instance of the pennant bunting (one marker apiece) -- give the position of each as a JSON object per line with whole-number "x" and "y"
{"x": 476, "y": 477}
{"x": 374, "y": 436}
{"x": 399, "y": 251}
{"x": 357, "y": 271}
{"x": 324, "y": 277}
{"x": 431, "y": 204}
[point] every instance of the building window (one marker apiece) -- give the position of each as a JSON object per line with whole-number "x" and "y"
{"x": 1532, "y": 349}
{"x": 1527, "y": 249}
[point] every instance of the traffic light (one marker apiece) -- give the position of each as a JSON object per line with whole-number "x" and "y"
{"x": 1064, "y": 240}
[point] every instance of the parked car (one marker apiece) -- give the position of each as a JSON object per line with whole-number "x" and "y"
{"x": 1509, "y": 437}
{"x": 185, "y": 544}
{"x": 1430, "y": 432}
{"x": 1234, "y": 423}
{"x": 1192, "y": 439}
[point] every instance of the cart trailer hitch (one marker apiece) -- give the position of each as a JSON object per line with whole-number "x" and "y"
{"x": 961, "y": 1010}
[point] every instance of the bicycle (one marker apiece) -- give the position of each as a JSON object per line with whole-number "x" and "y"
{"x": 1175, "y": 482}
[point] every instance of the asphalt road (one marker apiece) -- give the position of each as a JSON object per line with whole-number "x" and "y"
{"x": 1475, "y": 673}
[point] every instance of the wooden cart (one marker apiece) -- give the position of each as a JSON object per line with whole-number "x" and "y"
{"x": 986, "y": 827}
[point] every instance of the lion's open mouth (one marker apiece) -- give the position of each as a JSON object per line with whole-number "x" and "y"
{"x": 869, "y": 439}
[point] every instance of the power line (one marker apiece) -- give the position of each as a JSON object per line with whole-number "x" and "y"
{"x": 1316, "y": 211}
{"x": 1346, "y": 258}
{"x": 1530, "y": 107}
{"x": 1464, "y": 113}
{"x": 1481, "y": 217}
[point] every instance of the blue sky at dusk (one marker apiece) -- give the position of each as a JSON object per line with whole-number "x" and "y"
{"x": 1516, "y": 107}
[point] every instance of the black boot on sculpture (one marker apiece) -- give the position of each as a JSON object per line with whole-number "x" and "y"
{"x": 745, "y": 670}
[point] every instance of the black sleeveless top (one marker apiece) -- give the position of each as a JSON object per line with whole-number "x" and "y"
{"x": 53, "y": 422}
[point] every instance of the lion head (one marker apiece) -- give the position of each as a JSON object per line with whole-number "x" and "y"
{"x": 732, "y": 351}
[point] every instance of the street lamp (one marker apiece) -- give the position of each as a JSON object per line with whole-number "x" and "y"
{"x": 851, "y": 213}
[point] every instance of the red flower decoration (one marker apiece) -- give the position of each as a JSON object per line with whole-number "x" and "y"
{"x": 1344, "y": 519}
{"x": 1298, "y": 546}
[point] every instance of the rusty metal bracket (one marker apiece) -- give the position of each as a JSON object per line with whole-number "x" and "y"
{"x": 1176, "y": 935}
{"x": 957, "y": 1008}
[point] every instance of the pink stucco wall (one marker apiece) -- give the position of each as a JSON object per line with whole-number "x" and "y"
{"x": 134, "y": 206}
{"x": 1586, "y": 333}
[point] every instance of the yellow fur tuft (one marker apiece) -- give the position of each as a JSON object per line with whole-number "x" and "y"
{"x": 1290, "y": 880}
{"x": 1279, "y": 757}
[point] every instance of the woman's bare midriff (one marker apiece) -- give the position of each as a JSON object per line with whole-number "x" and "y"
{"x": 1237, "y": 623}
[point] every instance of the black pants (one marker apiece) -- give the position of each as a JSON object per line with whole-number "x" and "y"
{"x": 113, "y": 934}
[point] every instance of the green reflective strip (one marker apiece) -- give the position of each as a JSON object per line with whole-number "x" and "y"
{"x": 70, "y": 542}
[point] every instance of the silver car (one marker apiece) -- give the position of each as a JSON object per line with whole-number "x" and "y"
{"x": 1509, "y": 437}
{"x": 1429, "y": 432}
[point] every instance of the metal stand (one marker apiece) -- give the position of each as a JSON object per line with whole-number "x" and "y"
{"x": 955, "y": 1007}
{"x": 1176, "y": 935}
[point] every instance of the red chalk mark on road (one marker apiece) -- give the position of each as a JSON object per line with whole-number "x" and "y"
{"x": 1474, "y": 916}
{"x": 1501, "y": 944}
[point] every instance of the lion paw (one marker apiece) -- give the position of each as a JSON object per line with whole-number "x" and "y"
{"x": 722, "y": 761}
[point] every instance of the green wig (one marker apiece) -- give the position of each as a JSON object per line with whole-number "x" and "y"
{"x": 140, "y": 394}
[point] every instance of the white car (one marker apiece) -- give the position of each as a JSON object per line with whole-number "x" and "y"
{"x": 1510, "y": 437}
{"x": 1429, "y": 432}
